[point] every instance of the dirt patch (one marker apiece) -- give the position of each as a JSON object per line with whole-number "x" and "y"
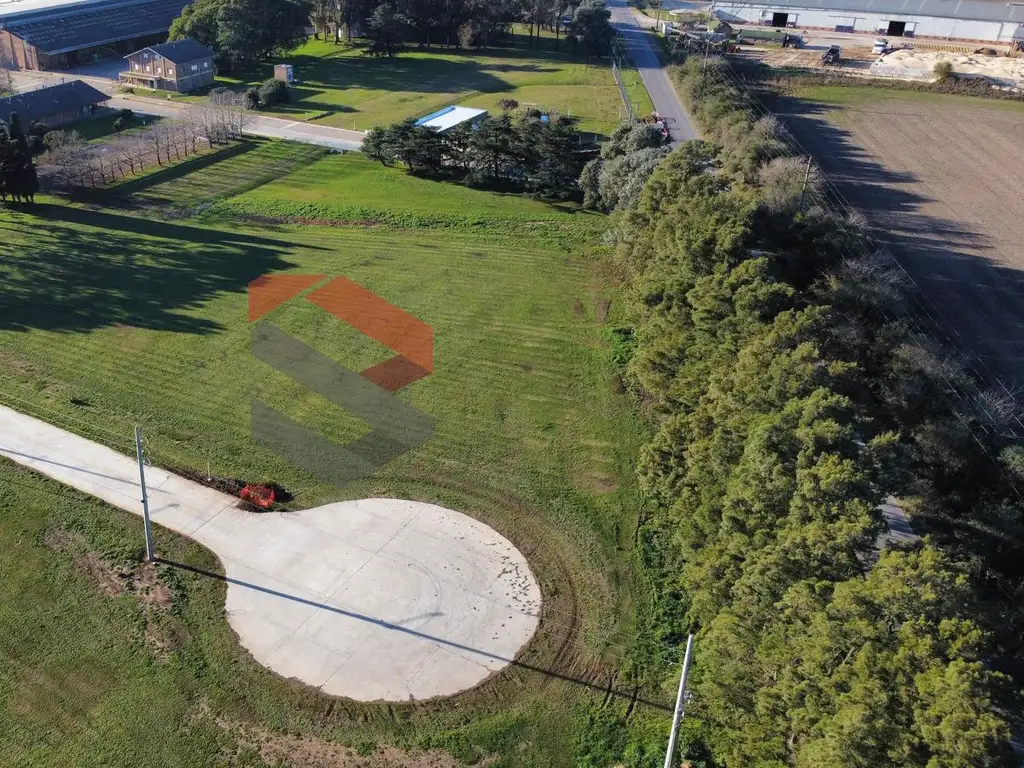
{"x": 602, "y": 309}
{"x": 936, "y": 182}
{"x": 603, "y": 483}
{"x": 153, "y": 597}
{"x": 310, "y": 752}
{"x": 110, "y": 579}
{"x": 577, "y": 308}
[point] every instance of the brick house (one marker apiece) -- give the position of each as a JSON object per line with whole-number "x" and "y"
{"x": 53, "y": 105}
{"x": 181, "y": 66}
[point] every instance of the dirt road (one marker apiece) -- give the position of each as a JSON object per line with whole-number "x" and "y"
{"x": 940, "y": 184}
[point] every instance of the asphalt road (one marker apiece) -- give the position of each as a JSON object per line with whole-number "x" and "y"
{"x": 645, "y": 58}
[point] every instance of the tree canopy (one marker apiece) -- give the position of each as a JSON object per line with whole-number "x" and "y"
{"x": 242, "y": 32}
{"x": 777, "y": 389}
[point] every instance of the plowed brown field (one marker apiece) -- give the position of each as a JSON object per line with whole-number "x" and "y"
{"x": 941, "y": 183}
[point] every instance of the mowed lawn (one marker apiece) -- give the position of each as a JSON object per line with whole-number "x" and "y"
{"x": 111, "y": 318}
{"x": 360, "y": 91}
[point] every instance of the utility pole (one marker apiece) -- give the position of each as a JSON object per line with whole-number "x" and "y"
{"x": 677, "y": 716}
{"x": 803, "y": 189}
{"x": 145, "y": 499}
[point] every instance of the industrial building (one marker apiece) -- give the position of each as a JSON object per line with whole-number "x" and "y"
{"x": 59, "y": 34}
{"x": 995, "y": 21}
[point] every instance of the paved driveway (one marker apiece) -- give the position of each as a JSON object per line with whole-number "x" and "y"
{"x": 369, "y": 599}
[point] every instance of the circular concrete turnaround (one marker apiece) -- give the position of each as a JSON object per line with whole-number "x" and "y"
{"x": 376, "y": 598}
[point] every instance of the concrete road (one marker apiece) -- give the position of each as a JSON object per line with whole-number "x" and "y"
{"x": 645, "y": 57}
{"x": 257, "y": 124}
{"x": 369, "y": 599}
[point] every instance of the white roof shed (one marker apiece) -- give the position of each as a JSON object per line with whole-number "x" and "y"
{"x": 449, "y": 117}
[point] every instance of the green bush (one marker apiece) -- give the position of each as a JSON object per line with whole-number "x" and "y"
{"x": 273, "y": 92}
{"x": 942, "y": 70}
{"x": 252, "y": 98}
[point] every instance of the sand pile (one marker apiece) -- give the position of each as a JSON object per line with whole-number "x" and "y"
{"x": 919, "y": 65}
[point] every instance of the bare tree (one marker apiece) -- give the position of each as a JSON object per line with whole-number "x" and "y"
{"x": 66, "y": 153}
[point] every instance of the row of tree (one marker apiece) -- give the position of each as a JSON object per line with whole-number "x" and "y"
{"x": 789, "y": 399}
{"x": 78, "y": 164}
{"x": 530, "y": 153}
{"x": 242, "y": 32}
{"x": 18, "y": 180}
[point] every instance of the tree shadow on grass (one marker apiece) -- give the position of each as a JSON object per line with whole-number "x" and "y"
{"x": 127, "y": 189}
{"x": 79, "y": 270}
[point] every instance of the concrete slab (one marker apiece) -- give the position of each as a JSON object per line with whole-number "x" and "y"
{"x": 369, "y": 599}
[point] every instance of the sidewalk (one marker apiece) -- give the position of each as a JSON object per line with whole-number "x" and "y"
{"x": 370, "y": 599}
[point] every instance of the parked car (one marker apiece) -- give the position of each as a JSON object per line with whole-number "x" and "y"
{"x": 831, "y": 56}
{"x": 880, "y": 47}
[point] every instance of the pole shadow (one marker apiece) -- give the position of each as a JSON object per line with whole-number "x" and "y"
{"x": 605, "y": 690}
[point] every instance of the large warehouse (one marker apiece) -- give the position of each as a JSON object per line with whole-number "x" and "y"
{"x": 984, "y": 20}
{"x": 57, "y": 34}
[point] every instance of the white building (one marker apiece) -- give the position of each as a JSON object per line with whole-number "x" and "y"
{"x": 988, "y": 20}
{"x": 449, "y": 117}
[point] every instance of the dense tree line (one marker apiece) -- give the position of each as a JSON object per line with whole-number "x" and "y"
{"x": 242, "y": 32}
{"x": 528, "y": 153}
{"x": 18, "y": 179}
{"x": 790, "y": 396}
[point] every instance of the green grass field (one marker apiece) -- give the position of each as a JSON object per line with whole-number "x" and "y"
{"x": 110, "y": 318}
{"x": 99, "y": 129}
{"x": 359, "y": 91}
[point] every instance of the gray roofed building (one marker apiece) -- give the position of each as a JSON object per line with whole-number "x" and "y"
{"x": 182, "y": 51}
{"x": 54, "y": 104}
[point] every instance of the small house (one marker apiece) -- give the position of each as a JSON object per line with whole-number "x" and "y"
{"x": 53, "y": 105}
{"x": 181, "y": 66}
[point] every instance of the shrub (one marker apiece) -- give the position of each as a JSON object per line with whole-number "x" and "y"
{"x": 508, "y": 105}
{"x": 942, "y": 70}
{"x": 252, "y": 98}
{"x": 273, "y": 92}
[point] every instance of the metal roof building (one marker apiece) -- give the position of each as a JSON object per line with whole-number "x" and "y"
{"x": 449, "y": 117}
{"x": 983, "y": 20}
{"x": 53, "y": 104}
{"x": 36, "y": 34}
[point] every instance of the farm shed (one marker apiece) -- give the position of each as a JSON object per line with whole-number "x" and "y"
{"x": 58, "y": 34}
{"x": 981, "y": 20}
{"x": 53, "y": 105}
{"x": 449, "y": 117}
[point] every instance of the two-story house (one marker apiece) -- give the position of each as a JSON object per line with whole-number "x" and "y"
{"x": 181, "y": 66}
